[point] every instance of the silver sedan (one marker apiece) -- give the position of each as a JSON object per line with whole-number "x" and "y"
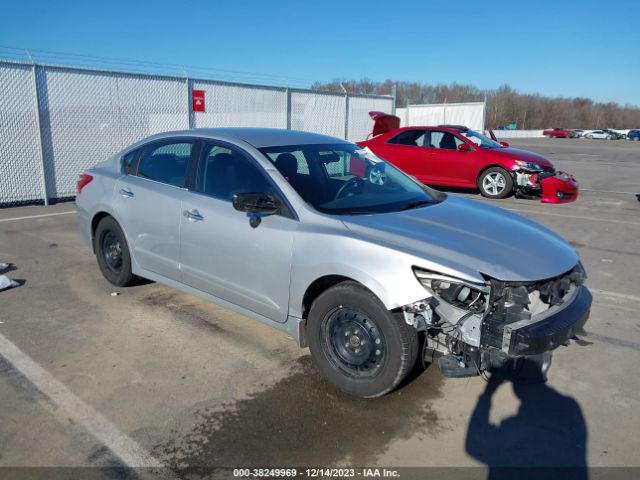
{"x": 331, "y": 244}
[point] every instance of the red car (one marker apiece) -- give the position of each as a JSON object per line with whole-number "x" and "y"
{"x": 455, "y": 156}
{"x": 557, "y": 133}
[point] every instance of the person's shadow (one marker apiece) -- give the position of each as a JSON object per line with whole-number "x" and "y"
{"x": 547, "y": 438}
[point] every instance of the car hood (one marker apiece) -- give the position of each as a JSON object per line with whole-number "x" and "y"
{"x": 517, "y": 154}
{"x": 470, "y": 237}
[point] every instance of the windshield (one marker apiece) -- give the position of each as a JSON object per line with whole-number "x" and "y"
{"x": 481, "y": 140}
{"x": 346, "y": 179}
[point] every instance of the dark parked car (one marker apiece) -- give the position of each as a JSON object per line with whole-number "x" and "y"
{"x": 634, "y": 135}
{"x": 615, "y": 135}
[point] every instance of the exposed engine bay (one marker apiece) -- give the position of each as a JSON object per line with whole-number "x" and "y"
{"x": 547, "y": 184}
{"x": 470, "y": 328}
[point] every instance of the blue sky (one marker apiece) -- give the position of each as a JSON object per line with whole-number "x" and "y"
{"x": 565, "y": 48}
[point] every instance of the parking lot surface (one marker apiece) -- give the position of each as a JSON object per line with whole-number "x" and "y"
{"x": 93, "y": 375}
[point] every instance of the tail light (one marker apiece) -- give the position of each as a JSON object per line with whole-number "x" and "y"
{"x": 83, "y": 180}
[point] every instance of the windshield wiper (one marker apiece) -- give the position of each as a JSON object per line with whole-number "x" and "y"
{"x": 417, "y": 203}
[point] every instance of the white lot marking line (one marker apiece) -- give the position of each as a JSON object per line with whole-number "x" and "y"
{"x": 607, "y": 191}
{"x": 124, "y": 447}
{"x": 611, "y": 220}
{"x": 35, "y": 216}
{"x": 620, "y": 296}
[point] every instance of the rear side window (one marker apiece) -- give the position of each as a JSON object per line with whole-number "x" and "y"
{"x": 412, "y": 138}
{"x": 166, "y": 163}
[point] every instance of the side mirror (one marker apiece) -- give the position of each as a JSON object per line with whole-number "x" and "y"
{"x": 256, "y": 204}
{"x": 504, "y": 144}
{"x": 464, "y": 147}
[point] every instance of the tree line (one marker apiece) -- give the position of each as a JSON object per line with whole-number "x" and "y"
{"x": 505, "y": 105}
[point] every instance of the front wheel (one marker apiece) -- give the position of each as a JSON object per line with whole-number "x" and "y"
{"x": 357, "y": 344}
{"x": 495, "y": 182}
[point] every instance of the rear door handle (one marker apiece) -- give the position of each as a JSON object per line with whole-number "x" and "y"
{"x": 126, "y": 193}
{"x": 193, "y": 215}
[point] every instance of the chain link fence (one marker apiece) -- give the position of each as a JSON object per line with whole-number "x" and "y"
{"x": 56, "y": 121}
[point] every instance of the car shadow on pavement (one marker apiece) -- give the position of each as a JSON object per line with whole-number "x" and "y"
{"x": 547, "y": 438}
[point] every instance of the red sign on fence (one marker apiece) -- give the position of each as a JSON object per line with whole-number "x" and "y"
{"x": 198, "y": 100}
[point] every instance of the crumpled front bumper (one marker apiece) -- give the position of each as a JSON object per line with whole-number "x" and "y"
{"x": 543, "y": 333}
{"x": 561, "y": 188}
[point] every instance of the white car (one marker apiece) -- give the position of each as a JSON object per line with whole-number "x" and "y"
{"x": 598, "y": 134}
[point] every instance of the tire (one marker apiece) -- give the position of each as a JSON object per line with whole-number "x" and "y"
{"x": 379, "y": 348}
{"x": 590, "y": 137}
{"x": 500, "y": 187}
{"x": 112, "y": 253}
{"x": 636, "y": 139}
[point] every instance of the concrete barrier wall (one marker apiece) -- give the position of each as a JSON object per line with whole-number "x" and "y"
{"x": 518, "y": 133}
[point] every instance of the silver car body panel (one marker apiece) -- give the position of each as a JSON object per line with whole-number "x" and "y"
{"x": 265, "y": 272}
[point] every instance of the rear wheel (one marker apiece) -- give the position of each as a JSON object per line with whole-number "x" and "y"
{"x": 112, "y": 253}
{"x": 357, "y": 344}
{"x": 495, "y": 182}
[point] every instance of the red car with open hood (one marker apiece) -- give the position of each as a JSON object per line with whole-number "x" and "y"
{"x": 455, "y": 156}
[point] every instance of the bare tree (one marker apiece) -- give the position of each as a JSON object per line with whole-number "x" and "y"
{"x": 504, "y": 104}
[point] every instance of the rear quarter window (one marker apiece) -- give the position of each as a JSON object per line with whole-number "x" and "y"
{"x": 128, "y": 163}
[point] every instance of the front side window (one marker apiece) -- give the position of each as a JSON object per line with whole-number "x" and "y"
{"x": 225, "y": 171}
{"x": 444, "y": 140}
{"x": 345, "y": 179}
{"x": 166, "y": 163}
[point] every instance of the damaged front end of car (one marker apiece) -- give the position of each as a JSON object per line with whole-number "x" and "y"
{"x": 550, "y": 186}
{"x": 470, "y": 328}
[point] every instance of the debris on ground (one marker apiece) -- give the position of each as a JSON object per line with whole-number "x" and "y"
{"x": 5, "y": 267}
{"x": 115, "y": 294}
{"x": 6, "y": 283}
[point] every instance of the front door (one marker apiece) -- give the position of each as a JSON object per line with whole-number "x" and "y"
{"x": 446, "y": 164}
{"x": 220, "y": 253}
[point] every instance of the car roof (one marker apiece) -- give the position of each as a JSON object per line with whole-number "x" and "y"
{"x": 257, "y": 137}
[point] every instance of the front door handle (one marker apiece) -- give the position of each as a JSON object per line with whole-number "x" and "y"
{"x": 193, "y": 215}
{"x": 126, "y": 193}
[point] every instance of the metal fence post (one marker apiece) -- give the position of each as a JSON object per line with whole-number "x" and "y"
{"x": 36, "y": 98}
{"x": 190, "y": 114}
{"x": 346, "y": 116}
{"x": 288, "y": 91}
{"x": 394, "y": 92}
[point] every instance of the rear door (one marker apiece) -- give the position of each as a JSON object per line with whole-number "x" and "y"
{"x": 147, "y": 201}
{"x": 406, "y": 151}
{"x": 220, "y": 252}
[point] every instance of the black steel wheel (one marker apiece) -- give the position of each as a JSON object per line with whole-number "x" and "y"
{"x": 353, "y": 342}
{"x": 357, "y": 344}
{"x": 112, "y": 253}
